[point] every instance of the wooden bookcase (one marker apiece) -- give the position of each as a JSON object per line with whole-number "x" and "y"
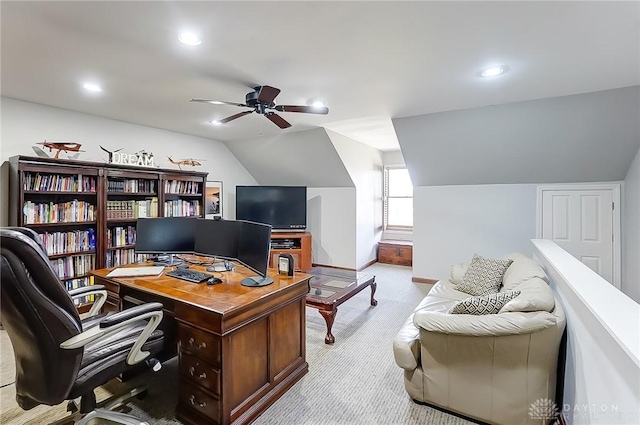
{"x": 296, "y": 244}
{"x": 87, "y": 211}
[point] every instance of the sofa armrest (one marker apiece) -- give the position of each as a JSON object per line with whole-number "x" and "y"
{"x": 406, "y": 346}
{"x": 511, "y": 323}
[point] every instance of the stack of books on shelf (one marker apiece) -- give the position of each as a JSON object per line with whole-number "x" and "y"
{"x": 182, "y": 208}
{"x": 65, "y": 212}
{"x": 74, "y": 266}
{"x": 181, "y": 187}
{"x": 58, "y": 183}
{"x": 132, "y": 209}
{"x": 120, "y": 257}
{"x": 131, "y": 186}
{"x": 121, "y": 236}
{"x": 68, "y": 242}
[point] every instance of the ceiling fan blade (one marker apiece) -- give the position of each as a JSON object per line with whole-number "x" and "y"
{"x": 233, "y": 117}
{"x": 277, "y": 120}
{"x": 217, "y": 102}
{"x": 267, "y": 94}
{"x": 306, "y": 109}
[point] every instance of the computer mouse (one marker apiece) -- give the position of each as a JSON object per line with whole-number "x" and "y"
{"x": 182, "y": 266}
{"x": 213, "y": 281}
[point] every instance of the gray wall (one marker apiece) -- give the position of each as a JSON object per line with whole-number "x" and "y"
{"x": 581, "y": 138}
{"x": 631, "y": 231}
{"x": 451, "y": 223}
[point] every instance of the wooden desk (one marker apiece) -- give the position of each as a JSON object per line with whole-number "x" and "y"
{"x": 239, "y": 348}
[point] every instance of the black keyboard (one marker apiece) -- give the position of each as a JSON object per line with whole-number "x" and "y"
{"x": 189, "y": 275}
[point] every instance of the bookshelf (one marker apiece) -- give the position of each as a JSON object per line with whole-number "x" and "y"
{"x": 86, "y": 212}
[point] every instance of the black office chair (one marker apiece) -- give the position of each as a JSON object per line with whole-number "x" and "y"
{"x": 58, "y": 356}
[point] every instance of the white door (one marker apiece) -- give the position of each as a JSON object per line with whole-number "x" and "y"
{"x": 582, "y": 223}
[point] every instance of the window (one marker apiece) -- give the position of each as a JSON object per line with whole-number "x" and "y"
{"x": 398, "y": 199}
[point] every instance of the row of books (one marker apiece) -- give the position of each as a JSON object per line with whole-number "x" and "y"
{"x": 182, "y": 208}
{"x": 121, "y": 236}
{"x": 79, "y": 283}
{"x": 73, "y": 266}
{"x": 59, "y": 183}
{"x": 64, "y": 242}
{"x": 180, "y": 187}
{"x": 120, "y": 257}
{"x": 132, "y": 209}
{"x": 131, "y": 185}
{"x": 65, "y": 212}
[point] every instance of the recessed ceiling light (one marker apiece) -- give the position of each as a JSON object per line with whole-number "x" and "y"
{"x": 190, "y": 39}
{"x": 215, "y": 122}
{"x": 92, "y": 87}
{"x": 493, "y": 71}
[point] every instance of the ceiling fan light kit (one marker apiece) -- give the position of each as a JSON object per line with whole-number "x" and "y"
{"x": 261, "y": 101}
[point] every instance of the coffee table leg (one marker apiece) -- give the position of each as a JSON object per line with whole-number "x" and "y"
{"x": 374, "y": 286}
{"x": 329, "y": 315}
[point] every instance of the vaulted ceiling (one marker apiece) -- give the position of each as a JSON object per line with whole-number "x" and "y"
{"x": 372, "y": 62}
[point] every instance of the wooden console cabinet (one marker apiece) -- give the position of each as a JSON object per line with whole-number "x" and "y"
{"x": 395, "y": 252}
{"x": 296, "y": 244}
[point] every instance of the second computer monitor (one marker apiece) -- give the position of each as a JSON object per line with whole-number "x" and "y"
{"x": 218, "y": 238}
{"x": 165, "y": 235}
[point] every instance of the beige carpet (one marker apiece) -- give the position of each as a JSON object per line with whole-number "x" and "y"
{"x": 354, "y": 381}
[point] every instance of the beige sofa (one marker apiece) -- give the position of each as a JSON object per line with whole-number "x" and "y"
{"x": 490, "y": 368}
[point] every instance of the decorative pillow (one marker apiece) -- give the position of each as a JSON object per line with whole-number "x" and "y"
{"x": 484, "y": 276}
{"x": 535, "y": 295}
{"x": 488, "y": 304}
{"x": 457, "y": 272}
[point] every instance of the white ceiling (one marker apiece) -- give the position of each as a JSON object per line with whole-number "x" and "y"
{"x": 370, "y": 61}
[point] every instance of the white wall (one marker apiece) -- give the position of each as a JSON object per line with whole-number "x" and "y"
{"x": 331, "y": 219}
{"x": 364, "y": 165}
{"x": 602, "y": 367}
{"x": 24, "y": 124}
{"x": 631, "y": 231}
{"x": 451, "y": 223}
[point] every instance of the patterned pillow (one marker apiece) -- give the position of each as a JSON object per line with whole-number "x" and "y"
{"x": 488, "y": 304}
{"x": 484, "y": 276}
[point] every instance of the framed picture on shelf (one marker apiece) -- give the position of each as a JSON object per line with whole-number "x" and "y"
{"x": 213, "y": 199}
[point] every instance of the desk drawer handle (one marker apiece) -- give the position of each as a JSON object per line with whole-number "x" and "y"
{"x": 201, "y": 345}
{"x": 193, "y": 401}
{"x": 192, "y": 372}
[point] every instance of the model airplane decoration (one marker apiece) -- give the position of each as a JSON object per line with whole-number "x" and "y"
{"x": 186, "y": 162}
{"x": 60, "y": 147}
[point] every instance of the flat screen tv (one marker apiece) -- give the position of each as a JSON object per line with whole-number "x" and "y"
{"x": 282, "y": 207}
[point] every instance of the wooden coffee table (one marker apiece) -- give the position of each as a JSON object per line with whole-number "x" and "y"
{"x": 331, "y": 287}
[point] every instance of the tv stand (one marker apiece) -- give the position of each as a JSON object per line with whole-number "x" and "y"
{"x": 297, "y": 244}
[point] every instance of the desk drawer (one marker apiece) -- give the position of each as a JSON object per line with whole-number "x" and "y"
{"x": 200, "y": 372}
{"x": 201, "y": 344}
{"x": 200, "y": 401}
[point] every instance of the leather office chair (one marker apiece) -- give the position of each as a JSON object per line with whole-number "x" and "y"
{"x": 58, "y": 356}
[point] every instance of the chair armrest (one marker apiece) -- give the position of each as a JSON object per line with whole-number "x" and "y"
{"x": 129, "y": 313}
{"x": 511, "y": 323}
{"x": 151, "y": 311}
{"x": 406, "y": 346}
{"x": 100, "y": 293}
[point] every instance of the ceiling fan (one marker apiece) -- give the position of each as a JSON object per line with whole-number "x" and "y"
{"x": 261, "y": 102}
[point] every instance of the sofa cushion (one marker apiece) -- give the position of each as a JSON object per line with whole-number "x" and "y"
{"x": 522, "y": 269}
{"x": 535, "y": 295}
{"x": 457, "y": 272}
{"x": 487, "y": 304}
{"x": 484, "y": 276}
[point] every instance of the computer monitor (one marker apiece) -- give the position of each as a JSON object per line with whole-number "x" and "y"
{"x": 254, "y": 245}
{"x": 165, "y": 235}
{"x": 218, "y": 238}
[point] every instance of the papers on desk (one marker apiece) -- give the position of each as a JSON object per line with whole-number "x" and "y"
{"x": 136, "y": 271}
